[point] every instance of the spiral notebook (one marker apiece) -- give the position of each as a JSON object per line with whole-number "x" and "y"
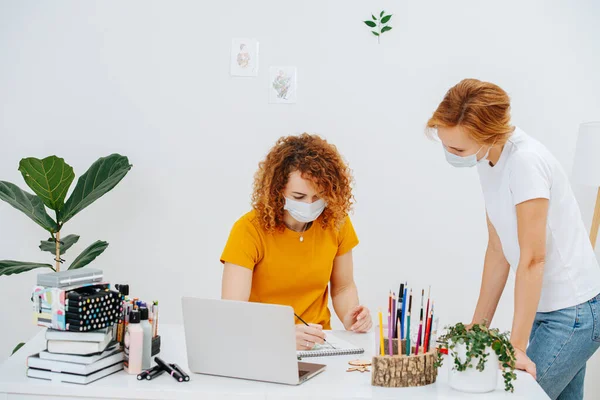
{"x": 342, "y": 348}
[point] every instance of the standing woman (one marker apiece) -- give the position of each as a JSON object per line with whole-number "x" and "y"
{"x": 295, "y": 246}
{"x": 535, "y": 227}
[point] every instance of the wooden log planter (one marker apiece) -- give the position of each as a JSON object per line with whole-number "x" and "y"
{"x": 403, "y": 370}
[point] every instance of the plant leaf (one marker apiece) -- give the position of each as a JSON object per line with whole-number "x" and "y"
{"x": 17, "y": 347}
{"x": 385, "y": 19}
{"x": 381, "y": 15}
{"x": 50, "y": 245}
{"x": 374, "y": 17}
{"x": 371, "y": 24}
{"x": 385, "y": 29}
{"x": 28, "y": 203}
{"x": 102, "y": 176}
{"x": 89, "y": 254}
{"x": 9, "y": 267}
{"x": 49, "y": 178}
{"x": 375, "y": 33}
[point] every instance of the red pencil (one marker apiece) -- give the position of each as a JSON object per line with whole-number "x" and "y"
{"x": 428, "y": 329}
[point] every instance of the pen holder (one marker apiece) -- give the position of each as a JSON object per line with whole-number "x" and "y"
{"x": 403, "y": 370}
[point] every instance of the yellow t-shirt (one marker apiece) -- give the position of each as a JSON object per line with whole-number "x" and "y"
{"x": 287, "y": 271}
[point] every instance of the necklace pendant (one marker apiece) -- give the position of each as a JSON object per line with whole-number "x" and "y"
{"x": 301, "y": 238}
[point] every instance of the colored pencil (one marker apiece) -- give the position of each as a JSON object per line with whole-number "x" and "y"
{"x": 427, "y": 330}
{"x": 408, "y": 324}
{"x": 381, "y": 345}
{"x": 420, "y": 333}
{"x": 404, "y": 305}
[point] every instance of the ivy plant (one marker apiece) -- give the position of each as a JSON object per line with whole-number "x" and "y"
{"x": 477, "y": 340}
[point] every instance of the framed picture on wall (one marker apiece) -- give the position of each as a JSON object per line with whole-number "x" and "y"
{"x": 244, "y": 57}
{"x": 282, "y": 85}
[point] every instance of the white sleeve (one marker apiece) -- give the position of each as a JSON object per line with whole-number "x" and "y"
{"x": 529, "y": 177}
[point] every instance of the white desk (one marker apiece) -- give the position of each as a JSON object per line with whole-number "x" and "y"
{"x": 334, "y": 383}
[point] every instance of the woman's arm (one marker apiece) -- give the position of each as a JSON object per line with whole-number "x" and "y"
{"x": 236, "y": 283}
{"x": 344, "y": 296}
{"x": 531, "y": 226}
{"x": 495, "y": 274}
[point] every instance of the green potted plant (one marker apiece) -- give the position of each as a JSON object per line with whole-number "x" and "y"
{"x": 477, "y": 352}
{"x": 50, "y": 180}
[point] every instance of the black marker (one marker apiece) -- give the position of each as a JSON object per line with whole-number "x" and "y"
{"x": 169, "y": 370}
{"x": 143, "y": 374}
{"x": 176, "y": 367}
{"x": 155, "y": 373}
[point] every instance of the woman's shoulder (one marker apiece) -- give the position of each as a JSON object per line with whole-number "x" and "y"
{"x": 248, "y": 221}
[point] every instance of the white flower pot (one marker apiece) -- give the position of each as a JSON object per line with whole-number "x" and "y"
{"x": 472, "y": 380}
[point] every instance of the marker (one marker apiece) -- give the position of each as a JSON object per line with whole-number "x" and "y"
{"x": 186, "y": 377}
{"x": 169, "y": 370}
{"x": 145, "y": 373}
{"x": 155, "y": 373}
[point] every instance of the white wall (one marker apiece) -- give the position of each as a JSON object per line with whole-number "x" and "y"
{"x": 150, "y": 80}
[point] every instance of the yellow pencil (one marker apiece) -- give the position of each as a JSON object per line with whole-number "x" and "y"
{"x": 381, "y": 345}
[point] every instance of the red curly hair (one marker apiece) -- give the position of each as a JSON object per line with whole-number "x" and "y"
{"x": 315, "y": 159}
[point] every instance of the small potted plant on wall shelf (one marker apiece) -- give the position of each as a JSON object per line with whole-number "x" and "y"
{"x": 476, "y": 354}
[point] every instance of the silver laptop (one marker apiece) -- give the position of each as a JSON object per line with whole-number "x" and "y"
{"x": 243, "y": 340}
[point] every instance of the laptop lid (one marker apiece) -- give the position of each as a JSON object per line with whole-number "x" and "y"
{"x": 240, "y": 339}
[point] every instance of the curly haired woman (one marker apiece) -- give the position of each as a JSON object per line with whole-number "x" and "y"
{"x": 298, "y": 239}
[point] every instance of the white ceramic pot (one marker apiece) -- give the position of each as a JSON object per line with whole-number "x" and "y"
{"x": 472, "y": 380}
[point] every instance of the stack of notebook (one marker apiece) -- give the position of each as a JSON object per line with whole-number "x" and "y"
{"x": 76, "y": 357}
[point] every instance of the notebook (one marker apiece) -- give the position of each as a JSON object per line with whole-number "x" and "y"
{"x": 45, "y": 355}
{"x": 80, "y": 369}
{"x": 323, "y": 350}
{"x": 73, "y": 378}
{"x": 77, "y": 348}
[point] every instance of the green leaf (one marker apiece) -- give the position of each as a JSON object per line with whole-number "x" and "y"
{"x": 49, "y": 178}
{"x": 17, "y": 348}
{"x": 385, "y": 29}
{"x": 375, "y": 33}
{"x": 9, "y": 267}
{"x": 385, "y": 19}
{"x": 370, "y": 23}
{"x": 374, "y": 17}
{"x": 102, "y": 176}
{"x": 89, "y": 254}
{"x": 381, "y": 15}
{"x": 28, "y": 203}
{"x": 50, "y": 245}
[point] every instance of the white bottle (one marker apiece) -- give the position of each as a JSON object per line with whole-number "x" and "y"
{"x": 147, "y": 343}
{"x": 134, "y": 340}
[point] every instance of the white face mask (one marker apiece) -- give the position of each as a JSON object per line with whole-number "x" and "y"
{"x": 304, "y": 212}
{"x": 466, "y": 161}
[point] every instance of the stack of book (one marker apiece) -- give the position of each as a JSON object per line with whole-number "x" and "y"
{"x": 77, "y": 357}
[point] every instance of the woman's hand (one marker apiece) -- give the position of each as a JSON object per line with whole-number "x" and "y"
{"x": 308, "y": 336}
{"x": 524, "y": 363}
{"x": 358, "y": 320}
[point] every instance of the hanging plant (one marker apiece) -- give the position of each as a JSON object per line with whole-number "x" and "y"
{"x": 380, "y": 25}
{"x": 477, "y": 341}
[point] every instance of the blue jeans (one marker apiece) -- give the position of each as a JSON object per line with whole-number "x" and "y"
{"x": 560, "y": 344}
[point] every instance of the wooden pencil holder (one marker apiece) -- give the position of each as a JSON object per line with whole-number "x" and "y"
{"x": 403, "y": 370}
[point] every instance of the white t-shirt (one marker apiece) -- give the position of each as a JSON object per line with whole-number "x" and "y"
{"x": 526, "y": 170}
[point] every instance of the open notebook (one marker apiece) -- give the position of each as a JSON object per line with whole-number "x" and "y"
{"x": 322, "y": 350}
